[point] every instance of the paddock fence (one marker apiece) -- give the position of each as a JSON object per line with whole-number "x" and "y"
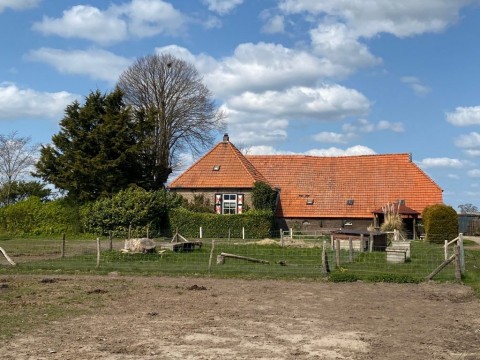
{"x": 311, "y": 257}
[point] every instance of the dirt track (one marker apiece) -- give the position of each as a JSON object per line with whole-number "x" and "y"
{"x": 198, "y": 318}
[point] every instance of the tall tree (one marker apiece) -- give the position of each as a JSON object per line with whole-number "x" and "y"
{"x": 168, "y": 93}
{"x": 16, "y": 159}
{"x": 95, "y": 152}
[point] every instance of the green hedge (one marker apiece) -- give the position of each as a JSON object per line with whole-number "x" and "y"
{"x": 257, "y": 224}
{"x": 34, "y": 217}
{"x": 440, "y": 223}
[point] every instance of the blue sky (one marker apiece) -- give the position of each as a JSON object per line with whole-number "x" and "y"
{"x": 330, "y": 77}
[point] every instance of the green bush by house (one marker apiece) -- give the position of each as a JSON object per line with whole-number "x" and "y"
{"x": 257, "y": 224}
{"x": 440, "y": 222}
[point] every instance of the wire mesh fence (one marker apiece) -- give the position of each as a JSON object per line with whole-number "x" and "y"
{"x": 230, "y": 257}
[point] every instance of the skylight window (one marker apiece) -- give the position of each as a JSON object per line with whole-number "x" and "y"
{"x": 350, "y": 202}
{"x": 216, "y": 168}
{"x": 310, "y": 201}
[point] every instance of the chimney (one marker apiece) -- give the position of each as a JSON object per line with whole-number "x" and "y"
{"x": 226, "y": 138}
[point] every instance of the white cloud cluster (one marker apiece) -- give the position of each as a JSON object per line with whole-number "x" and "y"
{"x": 332, "y": 151}
{"x": 96, "y": 63}
{"x": 138, "y": 18}
{"x": 16, "y": 102}
{"x": 18, "y": 4}
{"x": 441, "y": 162}
{"x": 222, "y": 7}
{"x": 368, "y": 18}
{"x": 464, "y": 116}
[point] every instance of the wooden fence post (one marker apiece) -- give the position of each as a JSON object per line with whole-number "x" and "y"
{"x": 458, "y": 266}
{"x": 281, "y": 236}
{"x": 211, "y": 256}
{"x": 63, "y": 246}
{"x": 201, "y": 232}
{"x": 243, "y": 232}
{"x": 325, "y": 267}
{"x": 337, "y": 252}
{"x": 362, "y": 243}
{"x": 110, "y": 239}
{"x": 98, "y": 252}
{"x": 462, "y": 253}
{"x": 350, "y": 249}
{"x": 370, "y": 243}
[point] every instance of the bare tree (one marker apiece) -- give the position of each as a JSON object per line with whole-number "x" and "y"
{"x": 16, "y": 159}
{"x": 169, "y": 92}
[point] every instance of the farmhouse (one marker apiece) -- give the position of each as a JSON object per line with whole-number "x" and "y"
{"x": 313, "y": 192}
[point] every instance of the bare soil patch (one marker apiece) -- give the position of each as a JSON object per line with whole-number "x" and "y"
{"x": 206, "y": 318}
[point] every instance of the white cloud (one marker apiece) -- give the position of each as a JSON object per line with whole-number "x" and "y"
{"x": 365, "y": 126}
{"x": 368, "y": 18}
{"x": 222, "y": 7}
{"x": 332, "y": 137}
{"x": 441, "y": 162}
{"x": 274, "y": 25}
{"x": 96, "y": 63}
{"x": 330, "y": 152}
{"x": 330, "y": 102}
{"x": 335, "y": 43}
{"x": 453, "y": 176}
{"x": 468, "y": 141}
{"x": 85, "y": 22}
{"x": 333, "y": 151}
{"x": 16, "y": 102}
{"x": 263, "y": 66}
{"x": 464, "y": 116}
{"x": 138, "y": 18}
{"x": 18, "y": 4}
{"x": 418, "y": 88}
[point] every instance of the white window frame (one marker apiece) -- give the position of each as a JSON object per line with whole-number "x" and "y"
{"x": 229, "y": 204}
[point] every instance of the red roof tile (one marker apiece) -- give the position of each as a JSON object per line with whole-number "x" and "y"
{"x": 371, "y": 181}
{"x": 234, "y": 170}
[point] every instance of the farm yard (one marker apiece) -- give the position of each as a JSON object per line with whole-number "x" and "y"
{"x": 63, "y": 302}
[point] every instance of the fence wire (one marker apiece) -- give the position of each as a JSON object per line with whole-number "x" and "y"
{"x": 270, "y": 258}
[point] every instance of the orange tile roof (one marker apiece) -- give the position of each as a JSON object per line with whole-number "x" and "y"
{"x": 234, "y": 171}
{"x": 371, "y": 181}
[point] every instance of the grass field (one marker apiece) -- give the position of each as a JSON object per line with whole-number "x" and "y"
{"x": 302, "y": 259}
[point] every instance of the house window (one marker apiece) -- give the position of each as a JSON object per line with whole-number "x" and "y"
{"x": 229, "y": 204}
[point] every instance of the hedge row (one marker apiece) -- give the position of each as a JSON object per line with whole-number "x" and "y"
{"x": 256, "y": 224}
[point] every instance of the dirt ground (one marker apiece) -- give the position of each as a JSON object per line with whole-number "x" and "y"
{"x": 206, "y": 318}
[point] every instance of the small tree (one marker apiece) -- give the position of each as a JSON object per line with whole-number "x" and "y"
{"x": 16, "y": 159}
{"x": 263, "y": 196}
{"x": 440, "y": 222}
{"x": 468, "y": 209}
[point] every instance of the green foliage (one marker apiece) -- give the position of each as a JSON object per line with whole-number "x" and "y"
{"x": 440, "y": 222}
{"x": 393, "y": 278}
{"x": 257, "y": 223}
{"x": 16, "y": 191}
{"x": 96, "y": 151}
{"x": 263, "y": 196}
{"x": 133, "y": 207}
{"x": 200, "y": 204}
{"x": 339, "y": 276}
{"x": 32, "y": 216}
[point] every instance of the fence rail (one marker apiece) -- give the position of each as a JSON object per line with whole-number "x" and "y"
{"x": 278, "y": 258}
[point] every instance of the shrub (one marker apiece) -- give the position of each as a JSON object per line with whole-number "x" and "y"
{"x": 440, "y": 223}
{"x": 34, "y": 217}
{"x": 257, "y": 224}
{"x": 263, "y": 196}
{"x": 133, "y": 207}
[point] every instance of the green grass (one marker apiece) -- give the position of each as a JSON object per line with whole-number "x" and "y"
{"x": 42, "y": 256}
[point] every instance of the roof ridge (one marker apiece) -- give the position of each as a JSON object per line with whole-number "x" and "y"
{"x": 248, "y": 165}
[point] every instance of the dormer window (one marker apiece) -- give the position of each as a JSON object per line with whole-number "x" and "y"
{"x": 350, "y": 202}
{"x": 216, "y": 168}
{"x": 310, "y": 201}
